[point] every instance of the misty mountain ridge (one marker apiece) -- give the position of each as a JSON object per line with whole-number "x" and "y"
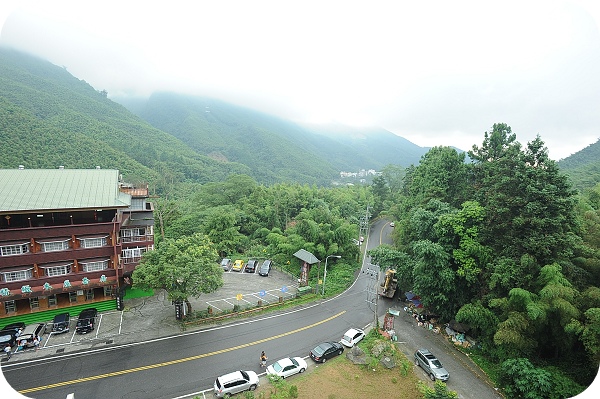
{"x": 49, "y": 118}
{"x": 216, "y": 128}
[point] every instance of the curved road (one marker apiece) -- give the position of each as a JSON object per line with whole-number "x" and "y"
{"x": 185, "y": 365}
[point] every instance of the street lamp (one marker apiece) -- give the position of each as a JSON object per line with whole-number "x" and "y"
{"x": 325, "y": 272}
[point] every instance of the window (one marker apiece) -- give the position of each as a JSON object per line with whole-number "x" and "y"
{"x": 131, "y": 235}
{"x": 16, "y": 249}
{"x": 18, "y": 275}
{"x": 94, "y": 242}
{"x": 108, "y": 290}
{"x": 34, "y": 303}
{"x": 89, "y": 295}
{"x": 10, "y": 306}
{"x": 138, "y": 204}
{"x": 95, "y": 266}
{"x": 73, "y": 296}
{"x": 58, "y": 270}
{"x": 55, "y": 246}
{"x": 52, "y": 300}
{"x": 130, "y": 255}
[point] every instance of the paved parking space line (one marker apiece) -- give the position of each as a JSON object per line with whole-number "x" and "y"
{"x": 213, "y": 306}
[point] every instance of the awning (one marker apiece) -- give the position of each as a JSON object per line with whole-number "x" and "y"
{"x": 460, "y": 327}
{"x": 409, "y": 295}
{"x": 306, "y": 256}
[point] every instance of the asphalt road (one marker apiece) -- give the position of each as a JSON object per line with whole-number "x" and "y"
{"x": 156, "y": 360}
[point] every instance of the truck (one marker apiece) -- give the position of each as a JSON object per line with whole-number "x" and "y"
{"x": 390, "y": 284}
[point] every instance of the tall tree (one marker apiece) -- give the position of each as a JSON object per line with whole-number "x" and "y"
{"x": 184, "y": 267}
{"x": 529, "y": 203}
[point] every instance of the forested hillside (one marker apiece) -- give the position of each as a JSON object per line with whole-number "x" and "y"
{"x": 583, "y": 167}
{"x": 51, "y": 119}
{"x": 505, "y": 245}
{"x": 270, "y": 145}
{"x": 229, "y": 133}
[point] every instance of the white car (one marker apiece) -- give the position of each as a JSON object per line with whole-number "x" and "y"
{"x": 352, "y": 337}
{"x": 232, "y": 383}
{"x": 287, "y": 367}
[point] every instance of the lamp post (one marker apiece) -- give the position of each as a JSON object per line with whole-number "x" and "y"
{"x": 325, "y": 271}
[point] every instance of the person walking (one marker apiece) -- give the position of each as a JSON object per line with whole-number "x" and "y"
{"x": 263, "y": 359}
{"x": 36, "y": 342}
{"x": 8, "y": 351}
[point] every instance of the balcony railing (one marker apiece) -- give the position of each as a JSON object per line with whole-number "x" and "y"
{"x": 137, "y": 238}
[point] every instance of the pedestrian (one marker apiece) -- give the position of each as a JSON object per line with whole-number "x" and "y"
{"x": 36, "y": 342}
{"x": 8, "y": 351}
{"x": 21, "y": 345}
{"x": 263, "y": 359}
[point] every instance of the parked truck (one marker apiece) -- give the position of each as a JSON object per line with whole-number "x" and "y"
{"x": 389, "y": 285}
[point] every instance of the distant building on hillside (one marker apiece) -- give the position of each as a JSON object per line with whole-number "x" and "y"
{"x": 69, "y": 237}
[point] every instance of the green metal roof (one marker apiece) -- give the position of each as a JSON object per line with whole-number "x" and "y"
{"x": 24, "y": 190}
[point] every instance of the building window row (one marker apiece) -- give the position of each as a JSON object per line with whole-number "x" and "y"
{"x": 53, "y": 246}
{"x": 54, "y": 270}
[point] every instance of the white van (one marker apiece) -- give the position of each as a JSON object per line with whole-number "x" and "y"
{"x": 29, "y": 333}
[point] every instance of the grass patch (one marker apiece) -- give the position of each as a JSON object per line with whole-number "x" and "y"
{"x": 132, "y": 293}
{"x": 341, "y": 379}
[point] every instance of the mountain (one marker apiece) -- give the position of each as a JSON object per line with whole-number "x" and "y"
{"x": 50, "y": 118}
{"x": 583, "y": 167}
{"x": 270, "y": 145}
{"x": 229, "y": 133}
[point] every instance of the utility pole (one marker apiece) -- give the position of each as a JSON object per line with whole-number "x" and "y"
{"x": 373, "y": 272}
{"x": 364, "y": 223}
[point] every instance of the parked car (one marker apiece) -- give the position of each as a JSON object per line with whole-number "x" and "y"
{"x": 17, "y": 327}
{"x": 287, "y": 367}
{"x": 8, "y": 337}
{"x": 235, "y": 382}
{"x": 251, "y": 266}
{"x": 432, "y": 366}
{"x": 392, "y": 224}
{"x": 326, "y": 351}
{"x": 352, "y": 337}
{"x": 265, "y": 268}
{"x": 238, "y": 265}
{"x": 226, "y": 264}
{"x": 60, "y": 323}
{"x": 86, "y": 321}
{"x": 29, "y": 333}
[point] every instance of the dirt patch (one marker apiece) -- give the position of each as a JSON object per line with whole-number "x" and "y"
{"x": 341, "y": 379}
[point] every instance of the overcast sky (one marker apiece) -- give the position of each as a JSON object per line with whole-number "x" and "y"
{"x": 434, "y": 72}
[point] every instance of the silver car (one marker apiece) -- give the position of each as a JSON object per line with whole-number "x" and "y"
{"x": 431, "y": 365}
{"x": 232, "y": 383}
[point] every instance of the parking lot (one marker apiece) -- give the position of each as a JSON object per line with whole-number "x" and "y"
{"x": 154, "y": 316}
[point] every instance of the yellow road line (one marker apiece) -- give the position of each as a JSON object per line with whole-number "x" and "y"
{"x": 172, "y": 362}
